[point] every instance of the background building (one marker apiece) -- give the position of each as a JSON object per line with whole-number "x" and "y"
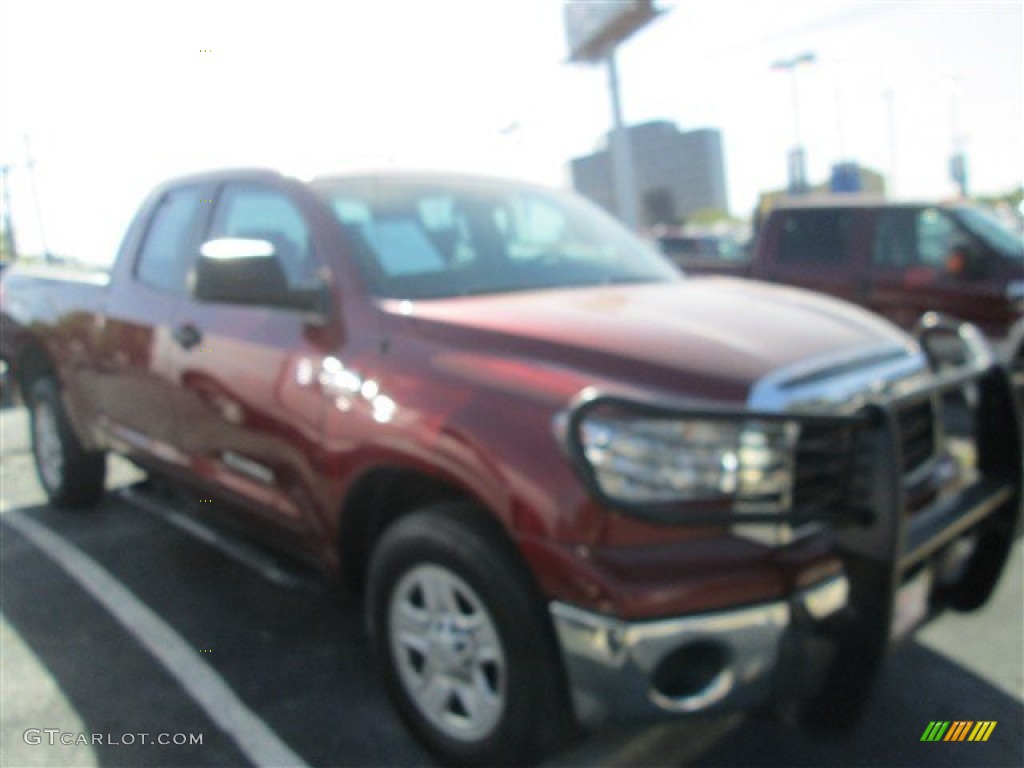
{"x": 677, "y": 173}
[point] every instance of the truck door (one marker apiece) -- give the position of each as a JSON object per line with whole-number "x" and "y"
{"x": 918, "y": 266}
{"x": 135, "y": 384}
{"x": 814, "y": 248}
{"x": 249, "y": 400}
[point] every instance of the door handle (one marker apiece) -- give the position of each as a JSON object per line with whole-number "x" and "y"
{"x": 187, "y": 335}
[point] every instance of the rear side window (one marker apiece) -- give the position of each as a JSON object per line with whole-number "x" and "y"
{"x": 163, "y": 259}
{"x": 814, "y": 237}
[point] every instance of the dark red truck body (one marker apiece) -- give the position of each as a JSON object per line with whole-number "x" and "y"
{"x": 321, "y": 427}
{"x": 900, "y": 260}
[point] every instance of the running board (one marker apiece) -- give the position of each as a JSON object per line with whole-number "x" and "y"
{"x": 177, "y": 511}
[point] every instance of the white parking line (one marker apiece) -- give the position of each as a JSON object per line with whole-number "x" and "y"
{"x": 32, "y": 698}
{"x": 253, "y": 737}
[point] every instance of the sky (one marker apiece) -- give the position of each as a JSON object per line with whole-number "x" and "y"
{"x": 114, "y": 97}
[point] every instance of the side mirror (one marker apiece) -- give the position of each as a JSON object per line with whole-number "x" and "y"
{"x": 234, "y": 270}
{"x": 950, "y": 343}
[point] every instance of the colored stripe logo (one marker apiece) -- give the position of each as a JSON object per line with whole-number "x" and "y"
{"x": 959, "y": 730}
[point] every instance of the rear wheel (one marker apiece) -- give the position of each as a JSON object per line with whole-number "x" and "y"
{"x": 468, "y": 655}
{"x": 70, "y": 475}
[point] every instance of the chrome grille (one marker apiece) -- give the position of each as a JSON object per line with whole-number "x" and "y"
{"x": 834, "y": 467}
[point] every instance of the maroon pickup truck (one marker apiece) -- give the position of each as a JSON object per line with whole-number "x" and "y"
{"x": 573, "y": 483}
{"x": 900, "y": 260}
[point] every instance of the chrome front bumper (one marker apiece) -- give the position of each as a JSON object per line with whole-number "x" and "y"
{"x": 712, "y": 661}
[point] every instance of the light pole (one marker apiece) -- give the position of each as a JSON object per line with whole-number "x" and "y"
{"x": 958, "y": 158}
{"x": 890, "y": 110}
{"x": 797, "y": 158}
{"x": 9, "y": 243}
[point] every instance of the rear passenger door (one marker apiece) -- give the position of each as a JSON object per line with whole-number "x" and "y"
{"x": 816, "y": 249}
{"x": 248, "y": 397}
{"x": 136, "y": 381}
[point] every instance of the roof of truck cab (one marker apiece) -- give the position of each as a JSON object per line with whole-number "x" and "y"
{"x": 413, "y": 176}
{"x": 862, "y": 202}
{"x": 384, "y": 175}
{"x": 220, "y": 174}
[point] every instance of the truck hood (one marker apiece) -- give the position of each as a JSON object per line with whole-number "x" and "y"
{"x": 705, "y": 338}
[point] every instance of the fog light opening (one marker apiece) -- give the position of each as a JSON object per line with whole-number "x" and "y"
{"x": 692, "y": 676}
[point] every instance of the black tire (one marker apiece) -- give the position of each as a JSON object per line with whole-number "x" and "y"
{"x": 450, "y": 548}
{"x": 71, "y": 476}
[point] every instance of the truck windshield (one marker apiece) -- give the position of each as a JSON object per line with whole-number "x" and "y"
{"x": 991, "y": 230}
{"x": 431, "y": 239}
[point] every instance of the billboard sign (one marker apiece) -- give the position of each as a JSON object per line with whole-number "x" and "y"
{"x": 595, "y": 27}
{"x": 845, "y": 178}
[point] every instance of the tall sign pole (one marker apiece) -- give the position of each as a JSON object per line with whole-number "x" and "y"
{"x": 622, "y": 153}
{"x": 594, "y": 31}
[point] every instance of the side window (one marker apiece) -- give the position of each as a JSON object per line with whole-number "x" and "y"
{"x": 163, "y": 257}
{"x": 936, "y": 237}
{"x": 814, "y": 237}
{"x": 914, "y": 238}
{"x": 246, "y": 210}
{"x": 895, "y": 245}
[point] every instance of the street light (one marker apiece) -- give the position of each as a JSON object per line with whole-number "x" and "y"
{"x": 958, "y": 158}
{"x": 797, "y": 159}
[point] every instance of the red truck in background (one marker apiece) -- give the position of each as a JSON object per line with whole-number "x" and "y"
{"x": 573, "y": 483}
{"x": 900, "y": 260}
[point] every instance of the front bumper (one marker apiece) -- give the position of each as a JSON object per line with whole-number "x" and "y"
{"x": 915, "y": 536}
{"x": 710, "y": 662}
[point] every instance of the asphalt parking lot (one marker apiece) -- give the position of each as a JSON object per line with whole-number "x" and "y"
{"x": 118, "y": 623}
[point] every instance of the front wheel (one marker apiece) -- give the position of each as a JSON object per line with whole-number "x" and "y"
{"x": 469, "y": 657}
{"x": 70, "y": 475}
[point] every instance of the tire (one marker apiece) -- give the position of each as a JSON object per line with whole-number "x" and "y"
{"x": 71, "y": 476}
{"x": 468, "y": 653}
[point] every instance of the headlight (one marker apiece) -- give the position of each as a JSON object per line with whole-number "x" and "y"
{"x": 654, "y": 461}
{"x": 717, "y": 466}
{"x": 674, "y": 465}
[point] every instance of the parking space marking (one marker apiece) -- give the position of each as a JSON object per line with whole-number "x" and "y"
{"x": 673, "y": 743}
{"x": 254, "y": 738}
